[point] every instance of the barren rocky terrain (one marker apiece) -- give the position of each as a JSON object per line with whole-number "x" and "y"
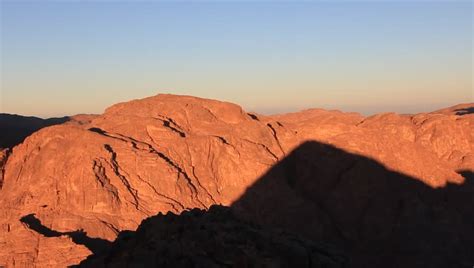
{"x": 386, "y": 190}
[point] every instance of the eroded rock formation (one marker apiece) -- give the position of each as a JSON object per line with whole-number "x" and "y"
{"x": 356, "y": 182}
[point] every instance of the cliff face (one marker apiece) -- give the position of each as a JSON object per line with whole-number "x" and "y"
{"x": 305, "y": 172}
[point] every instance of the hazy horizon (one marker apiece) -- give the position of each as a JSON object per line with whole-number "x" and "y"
{"x": 259, "y": 111}
{"x": 61, "y": 58}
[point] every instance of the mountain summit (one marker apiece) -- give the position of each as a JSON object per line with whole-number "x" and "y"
{"x": 392, "y": 190}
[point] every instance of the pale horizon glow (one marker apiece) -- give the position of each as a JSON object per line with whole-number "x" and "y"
{"x": 66, "y": 58}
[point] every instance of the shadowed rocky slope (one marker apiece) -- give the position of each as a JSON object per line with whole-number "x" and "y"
{"x": 213, "y": 238}
{"x": 370, "y": 186}
{"x": 377, "y": 216}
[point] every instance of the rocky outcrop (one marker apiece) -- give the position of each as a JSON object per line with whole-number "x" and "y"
{"x": 212, "y": 238}
{"x": 307, "y": 172}
{"x": 3, "y": 160}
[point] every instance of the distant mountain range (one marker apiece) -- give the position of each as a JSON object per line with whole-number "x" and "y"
{"x": 15, "y": 128}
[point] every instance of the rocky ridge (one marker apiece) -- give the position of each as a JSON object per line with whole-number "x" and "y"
{"x": 173, "y": 153}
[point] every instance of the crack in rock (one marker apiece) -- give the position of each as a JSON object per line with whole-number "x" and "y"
{"x": 99, "y": 172}
{"x": 274, "y": 133}
{"x": 116, "y": 169}
{"x": 171, "y": 124}
{"x": 173, "y": 202}
{"x": 265, "y": 147}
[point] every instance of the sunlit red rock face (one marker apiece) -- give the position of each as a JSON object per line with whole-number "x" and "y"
{"x": 172, "y": 153}
{"x": 3, "y": 159}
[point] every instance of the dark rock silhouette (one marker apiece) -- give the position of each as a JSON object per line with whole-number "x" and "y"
{"x": 96, "y": 245}
{"x": 212, "y": 238}
{"x": 378, "y": 217}
{"x": 15, "y": 128}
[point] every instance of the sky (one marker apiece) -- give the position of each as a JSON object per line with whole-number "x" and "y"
{"x": 68, "y": 57}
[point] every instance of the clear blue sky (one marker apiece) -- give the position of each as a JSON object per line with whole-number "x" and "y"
{"x": 367, "y": 56}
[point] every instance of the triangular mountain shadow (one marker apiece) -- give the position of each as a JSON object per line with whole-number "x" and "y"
{"x": 378, "y": 217}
